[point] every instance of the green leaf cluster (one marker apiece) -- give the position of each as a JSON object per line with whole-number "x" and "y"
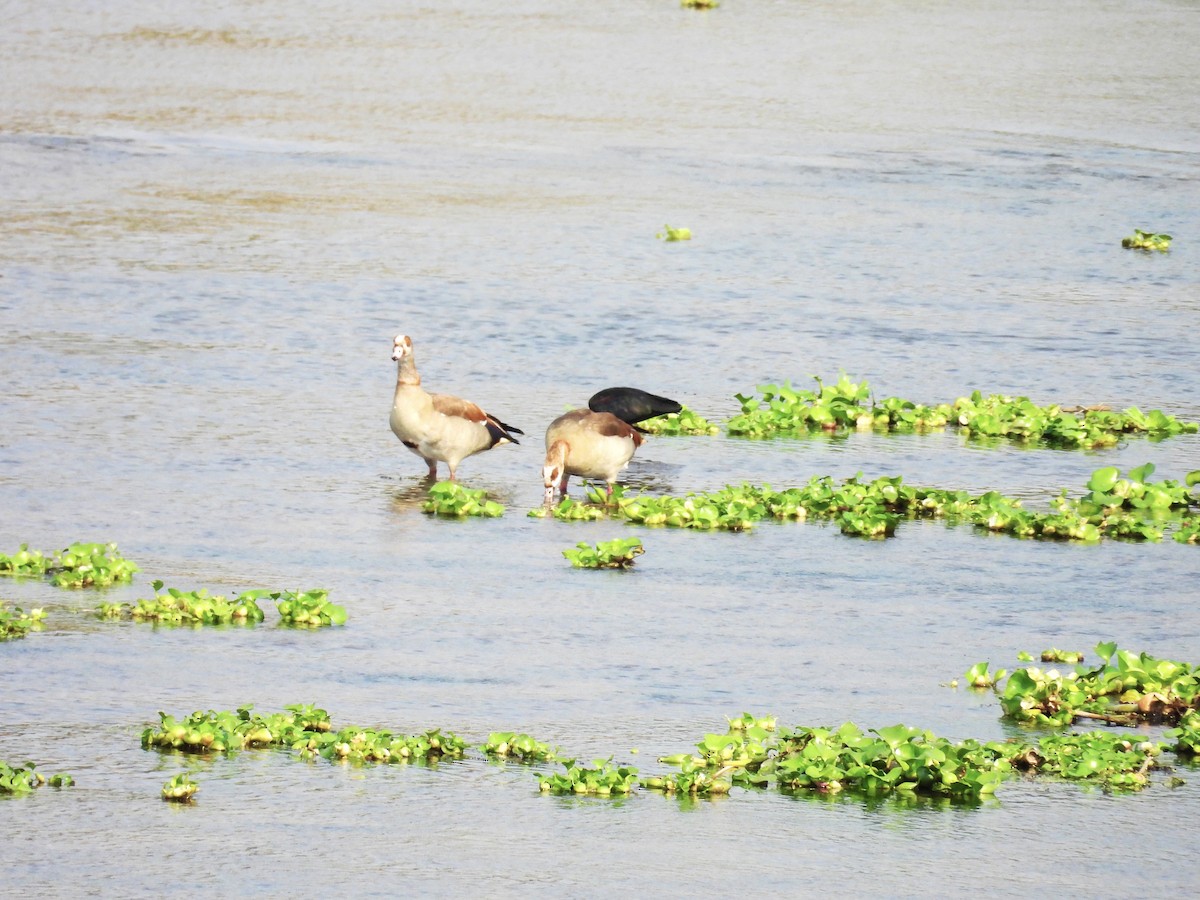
{"x": 79, "y": 565}
{"x": 368, "y": 745}
{"x": 26, "y": 778}
{"x": 898, "y": 761}
{"x": 176, "y": 607}
{"x": 686, "y": 421}
{"x": 603, "y": 780}
{"x": 569, "y": 510}
{"x": 1125, "y": 689}
{"x": 222, "y": 731}
{"x": 303, "y": 728}
{"x": 618, "y": 553}
{"x": 16, "y": 623}
{"x": 517, "y": 746}
{"x": 875, "y": 508}
{"x": 1187, "y": 734}
{"x": 179, "y": 789}
{"x": 677, "y": 234}
{"x": 449, "y": 498}
{"x": 1147, "y": 240}
{"x": 1119, "y": 761}
{"x": 1019, "y": 418}
{"x": 306, "y": 609}
{"x": 24, "y": 562}
{"x": 847, "y": 405}
{"x": 783, "y": 409}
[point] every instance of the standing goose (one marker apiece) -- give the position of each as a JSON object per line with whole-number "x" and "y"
{"x": 439, "y": 426}
{"x": 589, "y": 444}
{"x": 631, "y": 405}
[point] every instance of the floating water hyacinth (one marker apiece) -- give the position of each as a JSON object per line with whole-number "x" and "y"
{"x": 1147, "y": 240}
{"x": 615, "y": 554}
{"x": 674, "y": 234}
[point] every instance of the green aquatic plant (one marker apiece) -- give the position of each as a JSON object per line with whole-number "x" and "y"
{"x": 24, "y": 562}
{"x": 978, "y": 676}
{"x": 604, "y": 780}
{"x": 368, "y": 745}
{"x": 848, "y": 405}
{"x": 1117, "y": 761}
{"x": 79, "y": 565}
{"x": 26, "y": 778}
{"x": 694, "y": 778}
{"x": 783, "y": 409}
{"x": 674, "y": 234}
{"x": 16, "y": 623}
{"x": 1055, "y": 655}
{"x": 223, "y": 731}
{"x": 1147, "y": 240}
{"x": 1019, "y": 418}
{"x": 1125, "y": 689}
{"x": 180, "y": 789}
{"x": 897, "y": 759}
{"x": 303, "y": 728}
{"x": 1188, "y": 531}
{"x": 875, "y": 508}
{"x": 618, "y": 553}
{"x": 684, "y": 422}
{"x": 569, "y": 510}
{"x": 517, "y": 746}
{"x": 1187, "y": 734}
{"x": 308, "y": 609}
{"x": 86, "y": 565}
{"x": 449, "y": 498}
{"x": 175, "y": 607}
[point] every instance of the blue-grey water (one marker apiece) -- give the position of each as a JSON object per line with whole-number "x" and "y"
{"x": 215, "y": 217}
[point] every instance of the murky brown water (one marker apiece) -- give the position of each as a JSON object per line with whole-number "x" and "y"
{"x": 216, "y": 216}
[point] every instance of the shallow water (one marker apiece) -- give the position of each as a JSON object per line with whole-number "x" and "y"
{"x": 217, "y": 216}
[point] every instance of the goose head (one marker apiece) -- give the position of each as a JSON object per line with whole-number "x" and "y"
{"x": 402, "y": 346}
{"x": 554, "y": 471}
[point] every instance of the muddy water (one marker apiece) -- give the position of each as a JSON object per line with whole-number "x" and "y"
{"x": 215, "y": 218}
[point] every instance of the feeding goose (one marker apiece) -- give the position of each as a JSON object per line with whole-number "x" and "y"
{"x": 589, "y": 444}
{"x": 631, "y": 405}
{"x": 439, "y": 426}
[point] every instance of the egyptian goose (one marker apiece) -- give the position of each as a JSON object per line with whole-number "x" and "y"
{"x": 631, "y": 405}
{"x": 438, "y": 426}
{"x": 589, "y": 444}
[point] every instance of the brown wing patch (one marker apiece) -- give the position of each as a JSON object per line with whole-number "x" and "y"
{"x": 610, "y": 426}
{"x": 457, "y": 406}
